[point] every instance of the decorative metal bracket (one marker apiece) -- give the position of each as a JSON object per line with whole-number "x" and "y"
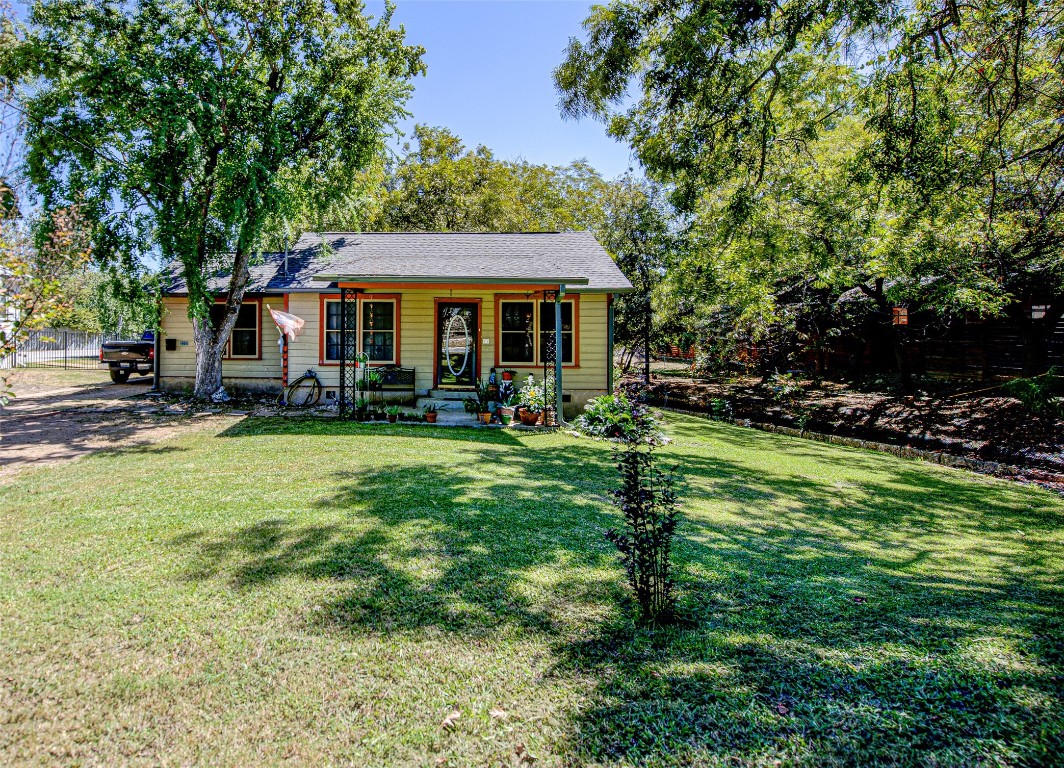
{"x": 550, "y": 369}
{"x": 348, "y": 352}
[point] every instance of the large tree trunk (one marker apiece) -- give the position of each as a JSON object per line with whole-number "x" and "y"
{"x": 210, "y": 341}
{"x": 647, "y": 320}
{"x": 901, "y": 357}
{"x": 899, "y": 342}
{"x": 208, "y": 360}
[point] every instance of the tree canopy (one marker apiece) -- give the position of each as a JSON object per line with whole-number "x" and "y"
{"x": 185, "y": 128}
{"x": 912, "y": 152}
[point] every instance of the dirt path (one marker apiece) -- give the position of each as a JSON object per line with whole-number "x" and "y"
{"x": 47, "y": 425}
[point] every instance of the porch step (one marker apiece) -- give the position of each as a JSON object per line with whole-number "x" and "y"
{"x": 451, "y": 406}
{"x": 450, "y": 394}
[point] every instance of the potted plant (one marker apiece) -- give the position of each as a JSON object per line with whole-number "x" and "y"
{"x": 432, "y": 410}
{"x": 507, "y": 406}
{"x": 481, "y": 404}
{"x": 532, "y": 401}
{"x": 393, "y": 412}
{"x": 378, "y": 412}
{"x": 372, "y": 378}
{"x": 361, "y": 409}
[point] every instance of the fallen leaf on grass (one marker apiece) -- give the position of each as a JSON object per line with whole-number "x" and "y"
{"x": 448, "y": 722}
{"x": 782, "y": 708}
{"x": 498, "y": 714}
{"x": 524, "y": 757}
{"x": 860, "y": 600}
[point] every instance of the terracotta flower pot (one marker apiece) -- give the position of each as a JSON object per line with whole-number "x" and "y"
{"x": 529, "y": 418}
{"x": 485, "y": 418}
{"x": 392, "y": 418}
{"x": 431, "y": 417}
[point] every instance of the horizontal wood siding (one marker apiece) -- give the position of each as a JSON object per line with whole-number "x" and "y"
{"x": 416, "y": 340}
{"x": 181, "y": 363}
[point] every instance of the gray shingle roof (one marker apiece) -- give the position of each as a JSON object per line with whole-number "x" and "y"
{"x": 543, "y": 257}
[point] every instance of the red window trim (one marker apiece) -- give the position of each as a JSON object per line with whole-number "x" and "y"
{"x": 324, "y": 297}
{"x": 258, "y": 319}
{"x": 535, "y": 298}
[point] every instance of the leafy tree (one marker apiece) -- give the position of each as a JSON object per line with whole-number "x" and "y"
{"x": 440, "y": 185}
{"x": 187, "y": 127}
{"x": 906, "y": 151}
{"x": 967, "y": 142}
{"x": 638, "y": 231}
{"x": 34, "y": 255}
{"x": 110, "y": 302}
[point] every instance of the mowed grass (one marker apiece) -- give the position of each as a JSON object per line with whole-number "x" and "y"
{"x": 329, "y": 594}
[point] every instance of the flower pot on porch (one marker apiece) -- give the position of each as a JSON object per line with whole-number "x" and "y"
{"x": 529, "y": 418}
{"x": 506, "y": 418}
{"x": 430, "y": 417}
{"x": 485, "y": 418}
{"x": 392, "y": 418}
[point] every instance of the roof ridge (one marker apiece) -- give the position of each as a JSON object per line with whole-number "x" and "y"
{"x": 423, "y": 232}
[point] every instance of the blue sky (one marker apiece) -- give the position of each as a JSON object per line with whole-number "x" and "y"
{"x": 489, "y": 78}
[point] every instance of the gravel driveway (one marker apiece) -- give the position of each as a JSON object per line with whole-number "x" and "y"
{"x": 51, "y": 424}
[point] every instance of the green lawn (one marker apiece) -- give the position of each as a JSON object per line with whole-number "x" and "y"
{"x": 329, "y": 594}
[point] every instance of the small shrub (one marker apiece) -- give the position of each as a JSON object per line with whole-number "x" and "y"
{"x": 615, "y": 417}
{"x": 719, "y": 409}
{"x": 647, "y": 501}
{"x": 783, "y": 386}
{"x": 1040, "y": 395}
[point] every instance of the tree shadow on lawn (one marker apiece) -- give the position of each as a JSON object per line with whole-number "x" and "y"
{"x": 801, "y": 641}
{"x": 429, "y": 546}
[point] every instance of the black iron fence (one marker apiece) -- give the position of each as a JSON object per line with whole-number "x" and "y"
{"x": 56, "y": 348}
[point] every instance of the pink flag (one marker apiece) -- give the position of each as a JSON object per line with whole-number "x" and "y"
{"x": 288, "y": 325}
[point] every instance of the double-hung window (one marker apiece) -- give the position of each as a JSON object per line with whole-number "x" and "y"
{"x": 546, "y": 329}
{"x": 243, "y": 342}
{"x": 334, "y": 335}
{"x": 517, "y": 331}
{"x": 525, "y": 326}
{"x": 375, "y": 335}
{"x": 378, "y": 330}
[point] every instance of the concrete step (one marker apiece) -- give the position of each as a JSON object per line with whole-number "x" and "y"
{"x": 452, "y": 406}
{"x": 450, "y": 394}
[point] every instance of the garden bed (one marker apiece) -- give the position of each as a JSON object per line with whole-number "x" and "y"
{"x": 979, "y": 425}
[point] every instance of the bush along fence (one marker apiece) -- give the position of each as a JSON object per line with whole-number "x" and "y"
{"x": 56, "y": 348}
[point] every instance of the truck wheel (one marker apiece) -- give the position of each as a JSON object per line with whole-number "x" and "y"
{"x": 119, "y": 377}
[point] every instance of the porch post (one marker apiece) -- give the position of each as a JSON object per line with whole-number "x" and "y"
{"x": 559, "y": 356}
{"x": 609, "y": 343}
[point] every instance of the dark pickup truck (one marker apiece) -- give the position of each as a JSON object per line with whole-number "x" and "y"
{"x": 126, "y": 357}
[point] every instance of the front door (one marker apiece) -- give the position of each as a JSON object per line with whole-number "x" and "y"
{"x": 457, "y": 337}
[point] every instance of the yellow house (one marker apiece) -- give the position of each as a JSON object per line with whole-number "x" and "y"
{"x": 434, "y": 311}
